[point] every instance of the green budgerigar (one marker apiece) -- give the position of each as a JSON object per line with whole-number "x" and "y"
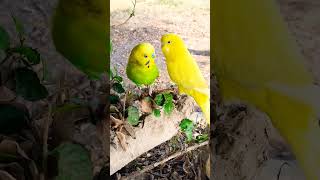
{"x": 80, "y": 34}
{"x": 141, "y": 68}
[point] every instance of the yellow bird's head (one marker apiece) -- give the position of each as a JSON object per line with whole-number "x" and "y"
{"x": 171, "y": 44}
{"x": 143, "y": 55}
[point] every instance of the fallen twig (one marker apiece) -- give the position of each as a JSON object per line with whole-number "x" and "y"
{"x": 46, "y": 124}
{"x": 177, "y": 154}
{"x": 131, "y": 14}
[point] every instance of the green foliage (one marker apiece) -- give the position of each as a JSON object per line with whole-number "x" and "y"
{"x": 73, "y": 162}
{"x": 186, "y": 126}
{"x": 114, "y": 99}
{"x": 116, "y": 85}
{"x": 168, "y": 107}
{"x": 118, "y": 79}
{"x": 118, "y": 88}
{"x": 4, "y": 39}
{"x": 28, "y": 85}
{"x": 202, "y": 138}
{"x": 12, "y": 118}
{"x": 166, "y": 101}
{"x": 168, "y": 97}
{"x": 156, "y": 112}
{"x": 32, "y": 55}
{"x": 133, "y": 116}
{"x": 159, "y": 99}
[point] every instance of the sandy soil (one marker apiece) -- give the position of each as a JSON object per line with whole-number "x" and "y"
{"x": 153, "y": 19}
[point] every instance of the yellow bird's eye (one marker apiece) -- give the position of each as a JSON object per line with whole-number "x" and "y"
{"x": 169, "y": 42}
{"x": 145, "y": 56}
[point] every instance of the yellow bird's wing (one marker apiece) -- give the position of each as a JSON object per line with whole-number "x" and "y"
{"x": 252, "y": 46}
{"x": 257, "y": 61}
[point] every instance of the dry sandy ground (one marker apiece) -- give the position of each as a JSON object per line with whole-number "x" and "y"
{"x": 152, "y": 19}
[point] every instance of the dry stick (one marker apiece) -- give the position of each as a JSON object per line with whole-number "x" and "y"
{"x": 47, "y": 122}
{"x": 150, "y": 167}
{"x": 131, "y": 14}
{"x": 124, "y": 105}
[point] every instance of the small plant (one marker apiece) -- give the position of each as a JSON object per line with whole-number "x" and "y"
{"x": 165, "y": 102}
{"x": 18, "y": 61}
{"x": 116, "y": 83}
{"x": 187, "y": 126}
{"x": 24, "y": 57}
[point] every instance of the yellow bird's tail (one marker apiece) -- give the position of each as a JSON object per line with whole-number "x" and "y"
{"x": 202, "y": 98}
{"x": 295, "y": 113}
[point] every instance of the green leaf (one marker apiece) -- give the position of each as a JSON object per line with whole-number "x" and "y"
{"x": 202, "y": 138}
{"x": 168, "y": 107}
{"x": 156, "y": 112}
{"x": 159, "y": 99}
{"x": 4, "y": 39}
{"x": 133, "y": 116}
{"x": 12, "y": 118}
{"x": 186, "y": 126}
{"x": 74, "y": 162}
{"x": 118, "y": 88}
{"x": 168, "y": 97}
{"x": 118, "y": 79}
{"x": 32, "y": 55}
{"x": 28, "y": 85}
{"x": 114, "y": 99}
{"x": 19, "y": 26}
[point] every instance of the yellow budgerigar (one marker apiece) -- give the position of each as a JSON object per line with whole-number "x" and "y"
{"x": 256, "y": 61}
{"x": 80, "y": 34}
{"x": 184, "y": 71}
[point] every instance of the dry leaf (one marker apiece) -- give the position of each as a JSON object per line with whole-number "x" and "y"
{"x": 122, "y": 140}
{"x": 5, "y": 175}
{"x": 129, "y": 129}
{"x": 186, "y": 165}
{"x": 114, "y": 109}
{"x": 13, "y": 148}
{"x": 115, "y": 123}
{"x": 146, "y": 105}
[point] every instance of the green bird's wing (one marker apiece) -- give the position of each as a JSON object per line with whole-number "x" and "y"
{"x": 83, "y": 41}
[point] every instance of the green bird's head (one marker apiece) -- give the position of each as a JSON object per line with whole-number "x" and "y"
{"x": 171, "y": 44}
{"x": 143, "y": 55}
